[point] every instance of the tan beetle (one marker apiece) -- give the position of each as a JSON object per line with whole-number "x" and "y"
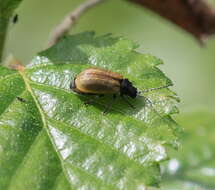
{"x": 98, "y": 81}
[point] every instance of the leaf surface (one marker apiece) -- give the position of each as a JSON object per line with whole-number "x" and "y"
{"x": 55, "y": 141}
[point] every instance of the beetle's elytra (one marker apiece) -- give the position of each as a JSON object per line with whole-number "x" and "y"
{"x": 99, "y": 81}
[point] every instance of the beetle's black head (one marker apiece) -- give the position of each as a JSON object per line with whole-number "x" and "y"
{"x": 128, "y": 89}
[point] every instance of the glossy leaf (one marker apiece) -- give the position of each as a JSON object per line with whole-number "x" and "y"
{"x": 55, "y": 141}
{"x": 193, "y": 166}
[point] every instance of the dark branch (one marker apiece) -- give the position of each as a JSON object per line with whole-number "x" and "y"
{"x": 195, "y": 16}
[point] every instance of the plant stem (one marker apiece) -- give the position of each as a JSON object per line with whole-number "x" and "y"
{"x": 3, "y": 31}
{"x": 7, "y": 8}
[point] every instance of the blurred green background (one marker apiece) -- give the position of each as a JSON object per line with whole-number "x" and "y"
{"x": 191, "y": 67}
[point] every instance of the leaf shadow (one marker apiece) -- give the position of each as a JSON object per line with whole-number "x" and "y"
{"x": 119, "y": 105}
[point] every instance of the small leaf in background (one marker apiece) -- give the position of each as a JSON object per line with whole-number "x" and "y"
{"x": 52, "y": 140}
{"x": 7, "y": 8}
{"x": 193, "y": 166}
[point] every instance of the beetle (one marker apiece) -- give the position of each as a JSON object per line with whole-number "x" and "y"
{"x": 96, "y": 81}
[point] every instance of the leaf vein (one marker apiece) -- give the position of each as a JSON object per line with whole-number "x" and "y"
{"x": 8, "y": 76}
{"x": 41, "y": 114}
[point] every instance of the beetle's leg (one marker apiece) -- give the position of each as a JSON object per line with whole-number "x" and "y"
{"x": 72, "y": 84}
{"x": 110, "y": 104}
{"x": 90, "y": 101}
{"x": 127, "y": 102}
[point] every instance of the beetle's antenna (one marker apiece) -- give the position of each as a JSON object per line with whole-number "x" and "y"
{"x": 151, "y": 105}
{"x": 149, "y": 101}
{"x": 151, "y": 89}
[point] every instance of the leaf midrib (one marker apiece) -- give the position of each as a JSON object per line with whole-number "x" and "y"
{"x": 28, "y": 87}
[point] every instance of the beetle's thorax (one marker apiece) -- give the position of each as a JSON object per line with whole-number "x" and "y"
{"x": 126, "y": 88}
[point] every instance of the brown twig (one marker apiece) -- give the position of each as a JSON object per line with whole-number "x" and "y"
{"x": 70, "y": 20}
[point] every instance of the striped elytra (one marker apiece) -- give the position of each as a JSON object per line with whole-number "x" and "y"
{"x": 100, "y": 81}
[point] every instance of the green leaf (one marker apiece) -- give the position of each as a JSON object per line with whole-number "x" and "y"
{"x": 6, "y": 10}
{"x": 7, "y": 7}
{"x": 193, "y": 166}
{"x": 49, "y": 139}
